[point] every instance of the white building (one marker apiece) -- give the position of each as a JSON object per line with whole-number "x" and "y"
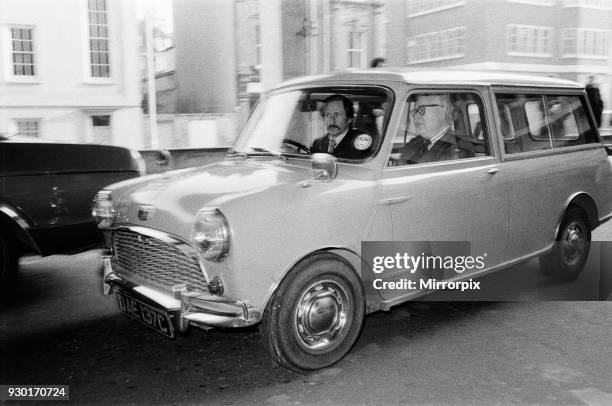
{"x": 69, "y": 70}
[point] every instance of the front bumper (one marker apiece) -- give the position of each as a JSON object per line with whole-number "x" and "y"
{"x": 188, "y": 307}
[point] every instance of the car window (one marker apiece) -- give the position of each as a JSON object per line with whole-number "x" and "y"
{"x": 536, "y": 120}
{"x": 541, "y": 122}
{"x": 347, "y": 122}
{"x": 606, "y": 120}
{"x": 440, "y": 126}
{"x": 523, "y": 122}
{"x": 563, "y": 123}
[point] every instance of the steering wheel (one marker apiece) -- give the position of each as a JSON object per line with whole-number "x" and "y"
{"x": 297, "y": 145}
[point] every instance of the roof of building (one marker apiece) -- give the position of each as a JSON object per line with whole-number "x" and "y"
{"x": 438, "y": 77}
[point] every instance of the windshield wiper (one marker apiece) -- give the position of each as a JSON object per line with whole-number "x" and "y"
{"x": 266, "y": 152}
{"x": 233, "y": 152}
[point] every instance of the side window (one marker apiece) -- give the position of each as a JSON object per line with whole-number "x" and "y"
{"x": 536, "y": 120}
{"x": 440, "y": 127}
{"x": 568, "y": 121}
{"x": 523, "y": 122}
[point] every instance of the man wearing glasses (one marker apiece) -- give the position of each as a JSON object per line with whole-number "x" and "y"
{"x": 436, "y": 140}
{"x": 341, "y": 140}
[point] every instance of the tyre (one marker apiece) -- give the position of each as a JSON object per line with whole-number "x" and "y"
{"x": 572, "y": 246}
{"x": 315, "y": 315}
{"x": 9, "y": 260}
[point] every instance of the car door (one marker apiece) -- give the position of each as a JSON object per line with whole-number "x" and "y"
{"x": 456, "y": 199}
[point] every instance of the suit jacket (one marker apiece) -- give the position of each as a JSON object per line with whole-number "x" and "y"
{"x": 346, "y": 149}
{"x": 446, "y": 148}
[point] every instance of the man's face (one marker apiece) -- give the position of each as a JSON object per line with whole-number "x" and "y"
{"x": 336, "y": 120}
{"x": 429, "y": 116}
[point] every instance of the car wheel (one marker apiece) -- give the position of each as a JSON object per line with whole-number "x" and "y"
{"x": 315, "y": 315}
{"x": 8, "y": 260}
{"x": 571, "y": 248}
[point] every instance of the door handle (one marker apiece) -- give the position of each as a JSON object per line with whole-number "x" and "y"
{"x": 493, "y": 171}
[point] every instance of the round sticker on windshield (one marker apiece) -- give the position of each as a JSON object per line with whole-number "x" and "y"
{"x": 363, "y": 142}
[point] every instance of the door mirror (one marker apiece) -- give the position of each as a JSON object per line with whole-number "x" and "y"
{"x": 324, "y": 167}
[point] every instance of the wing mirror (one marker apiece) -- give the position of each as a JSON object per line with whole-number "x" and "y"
{"x": 324, "y": 167}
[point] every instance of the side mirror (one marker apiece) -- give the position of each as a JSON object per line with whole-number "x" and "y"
{"x": 324, "y": 167}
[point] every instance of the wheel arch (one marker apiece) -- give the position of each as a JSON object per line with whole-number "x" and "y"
{"x": 347, "y": 255}
{"x": 13, "y": 221}
{"x": 584, "y": 201}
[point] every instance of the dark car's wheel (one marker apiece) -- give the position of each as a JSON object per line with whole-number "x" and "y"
{"x": 315, "y": 316}
{"x": 8, "y": 260}
{"x": 571, "y": 248}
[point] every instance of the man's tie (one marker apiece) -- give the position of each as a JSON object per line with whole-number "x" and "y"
{"x": 332, "y": 145}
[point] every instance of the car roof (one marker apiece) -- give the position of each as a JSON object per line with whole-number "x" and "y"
{"x": 436, "y": 77}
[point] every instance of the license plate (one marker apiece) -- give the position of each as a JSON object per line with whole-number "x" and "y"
{"x": 156, "y": 319}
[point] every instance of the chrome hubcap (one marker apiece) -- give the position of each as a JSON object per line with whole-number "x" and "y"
{"x": 573, "y": 242}
{"x": 321, "y": 314}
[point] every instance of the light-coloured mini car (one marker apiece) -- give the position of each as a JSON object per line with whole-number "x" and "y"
{"x": 273, "y": 234}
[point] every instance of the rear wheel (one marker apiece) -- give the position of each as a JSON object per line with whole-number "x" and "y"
{"x": 571, "y": 248}
{"x": 8, "y": 259}
{"x": 315, "y": 316}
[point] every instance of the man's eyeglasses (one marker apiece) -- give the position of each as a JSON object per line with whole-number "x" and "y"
{"x": 420, "y": 111}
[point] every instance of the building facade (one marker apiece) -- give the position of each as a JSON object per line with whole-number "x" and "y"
{"x": 249, "y": 46}
{"x": 69, "y": 71}
{"x": 570, "y": 39}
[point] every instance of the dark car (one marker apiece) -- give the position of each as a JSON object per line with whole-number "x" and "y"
{"x": 46, "y": 190}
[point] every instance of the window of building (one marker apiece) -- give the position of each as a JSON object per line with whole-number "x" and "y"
{"x": 28, "y": 127}
{"x": 22, "y": 51}
{"x": 598, "y": 4}
{"x": 589, "y": 43}
{"x": 99, "y": 39}
{"x": 101, "y": 125}
{"x": 435, "y": 46}
{"x": 529, "y": 40}
{"x": 419, "y": 7}
{"x": 357, "y": 48}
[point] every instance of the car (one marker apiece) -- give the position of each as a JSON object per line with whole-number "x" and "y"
{"x": 300, "y": 237}
{"x": 46, "y": 190}
{"x": 605, "y": 130}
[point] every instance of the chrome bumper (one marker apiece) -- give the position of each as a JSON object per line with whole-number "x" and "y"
{"x": 201, "y": 309}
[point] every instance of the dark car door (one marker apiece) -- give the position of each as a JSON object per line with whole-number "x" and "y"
{"x": 52, "y": 186}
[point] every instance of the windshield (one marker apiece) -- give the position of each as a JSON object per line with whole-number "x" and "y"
{"x": 347, "y": 122}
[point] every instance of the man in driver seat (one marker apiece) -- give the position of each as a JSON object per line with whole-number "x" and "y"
{"x": 341, "y": 140}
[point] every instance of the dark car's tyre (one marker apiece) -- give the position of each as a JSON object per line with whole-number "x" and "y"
{"x": 9, "y": 260}
{"x": 315, "y": 315}
{"x": 572, "y": 246}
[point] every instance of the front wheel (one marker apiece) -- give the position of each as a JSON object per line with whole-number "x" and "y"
{"x": 571, "y": 248}
{"x": 315, "y": 316}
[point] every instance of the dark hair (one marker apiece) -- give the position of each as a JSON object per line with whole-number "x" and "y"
{"x": 346, "y": 103}
{"x": 376, "y": 62}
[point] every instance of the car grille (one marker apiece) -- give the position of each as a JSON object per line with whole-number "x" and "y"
{"x": 156, "y": 260}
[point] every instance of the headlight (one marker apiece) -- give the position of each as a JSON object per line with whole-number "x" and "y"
{"x": 103, "y": 210}
{"x": 211, "y": 234}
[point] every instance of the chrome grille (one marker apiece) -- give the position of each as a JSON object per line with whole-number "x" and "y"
{"x": 156, "y": 260}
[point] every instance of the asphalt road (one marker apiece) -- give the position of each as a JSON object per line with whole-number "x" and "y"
{"x": 56, "y": 327}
